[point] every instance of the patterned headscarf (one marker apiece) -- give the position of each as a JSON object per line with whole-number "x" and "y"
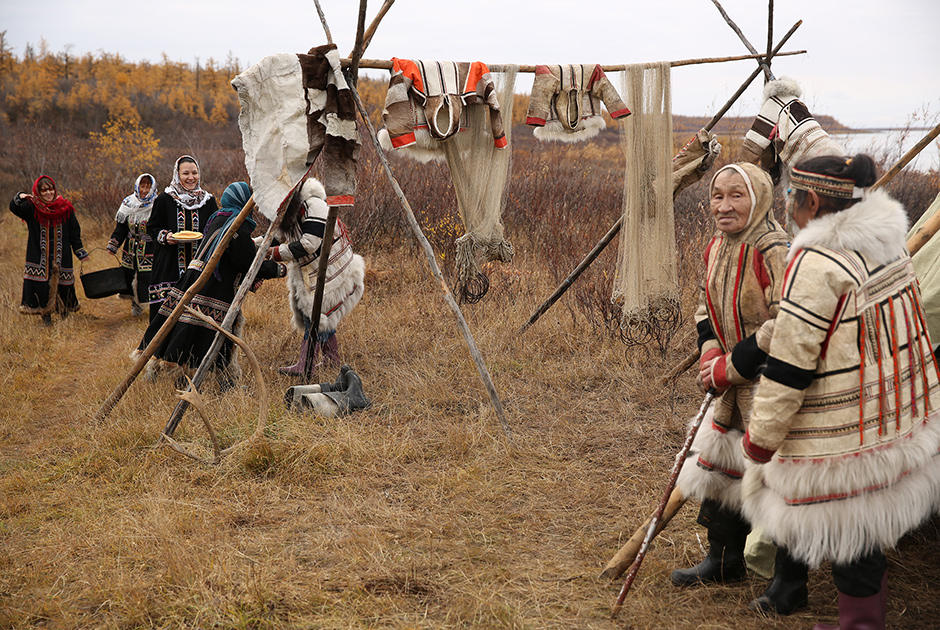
{"x": 189, "y": 199}
{"x": 233, "y": 200}
{"x": 135, "y": 206}
{"x": 54, "y": 212}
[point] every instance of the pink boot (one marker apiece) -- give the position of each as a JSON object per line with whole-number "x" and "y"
{"x": 331, "y": 350}
{"x": 861, "y": 613}
{"x": 298, "y": 368}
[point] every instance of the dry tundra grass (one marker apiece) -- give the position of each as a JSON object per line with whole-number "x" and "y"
{"x": 416, "y": 513}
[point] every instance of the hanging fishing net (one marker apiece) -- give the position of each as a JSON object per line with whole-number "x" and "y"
{"x": 480, "y": 171}
{"x": 645, "y": 284}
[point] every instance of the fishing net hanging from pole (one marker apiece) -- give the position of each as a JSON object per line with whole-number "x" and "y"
{"x": 480, "y": 171}
{"x": 645, "y": 283}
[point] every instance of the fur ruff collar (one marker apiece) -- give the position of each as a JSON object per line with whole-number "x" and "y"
{"x": 876, "y": 227}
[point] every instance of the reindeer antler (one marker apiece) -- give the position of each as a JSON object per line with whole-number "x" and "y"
{"x": 193, "y": 398}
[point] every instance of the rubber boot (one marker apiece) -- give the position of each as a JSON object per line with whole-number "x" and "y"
{"x": 861, "y": 613}
{"x": 724, "y": 562}
{"x": 787, "y": 590}
{"x": 298, "y": 368}
{"x": 331, "y": 350}
{"x": 727, "y": 534}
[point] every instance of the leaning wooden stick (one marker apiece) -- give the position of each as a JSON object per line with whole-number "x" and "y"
{"x": 375, "y": 24}
{"x": 429, "y": 253}
{"x": 627, "y": 554}
{"x": 931, "y": 225}
{"x": 658, "y": 515}
{"x": 228, "y": 323}
{"x": 764, "y": 63}
{"x": 164, "y": 331}
{"x": 615, "y": 228}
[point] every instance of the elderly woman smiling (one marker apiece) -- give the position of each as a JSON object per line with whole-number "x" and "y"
{"x": 739, "y": 298}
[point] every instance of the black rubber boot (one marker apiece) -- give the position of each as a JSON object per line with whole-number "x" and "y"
{"x": 727, "y": 533}
{"x": 787, "y": 590}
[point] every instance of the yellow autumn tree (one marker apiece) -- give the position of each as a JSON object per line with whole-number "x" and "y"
{"x": 123, "y": 150}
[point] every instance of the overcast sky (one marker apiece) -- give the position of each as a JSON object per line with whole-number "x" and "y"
{"x": 869, "y": 62}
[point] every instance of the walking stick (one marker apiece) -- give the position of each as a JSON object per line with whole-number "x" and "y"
{"x": 615, "y": 228}
{"x": 651, "y": 530}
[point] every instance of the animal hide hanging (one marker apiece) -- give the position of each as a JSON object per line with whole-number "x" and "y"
{"x": 295, "y": 107}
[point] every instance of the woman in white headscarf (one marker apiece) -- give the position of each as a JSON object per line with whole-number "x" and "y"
{"x": 182, "y": 206}
{"x": 130, "y": 230}
{"x": 739, "y": 299}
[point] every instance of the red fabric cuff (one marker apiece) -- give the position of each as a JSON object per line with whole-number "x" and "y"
{"x": 537, "y": 122}
{"x": 276, "y": 254}
{"x": 620, "y": 113}
{"x": 709, "y": 355}
{"x": 720, "y": 372}
{"x": 501, "y": 142}
{"x": 757, "y": 453}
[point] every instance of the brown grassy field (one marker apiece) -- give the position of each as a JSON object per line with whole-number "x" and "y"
{"x": 416, "y": 513}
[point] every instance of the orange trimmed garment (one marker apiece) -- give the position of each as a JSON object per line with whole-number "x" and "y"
{"x": 426, "y": 99}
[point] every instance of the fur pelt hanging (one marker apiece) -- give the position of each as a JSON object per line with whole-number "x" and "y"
{"x": 293, "y": 108}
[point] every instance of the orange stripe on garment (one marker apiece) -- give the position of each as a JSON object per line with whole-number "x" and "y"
{"x": 910, "y": 361}
{"x": 920, "y": 352}
{"x": 477, "y": 70}
{"x": 861, "y": 377}
{"x": 742, "y": 254}
{"x": 712, "y": 315}
{"x": 897, "y": 377}
{"x": 410, "y": 70}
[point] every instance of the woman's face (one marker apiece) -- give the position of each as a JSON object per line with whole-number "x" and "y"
{"x": 189, "y": 175}
{"x": 730, "y": 202}
{"x": 46, "y": 191}
{"x": 144, "y": 186}
{"x": 803, "y": 213}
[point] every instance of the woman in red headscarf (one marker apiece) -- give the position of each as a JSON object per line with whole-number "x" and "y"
{"x": 54, "y": 233}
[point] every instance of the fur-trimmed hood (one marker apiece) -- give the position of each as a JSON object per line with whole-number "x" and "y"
{"x": 876, "y": 227}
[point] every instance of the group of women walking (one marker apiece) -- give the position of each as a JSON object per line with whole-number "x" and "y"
{"x": 163, "y": 241}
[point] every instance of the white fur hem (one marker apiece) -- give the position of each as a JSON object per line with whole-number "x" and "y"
{"x": 906, "y": 478}
{"x": 722, "y": 451}
{"x": 554, "y": 130}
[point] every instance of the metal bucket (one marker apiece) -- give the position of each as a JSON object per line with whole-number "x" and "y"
{"x": 100, "y": 284}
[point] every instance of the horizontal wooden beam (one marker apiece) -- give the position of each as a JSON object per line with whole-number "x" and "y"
{"x": 382, "y": 64}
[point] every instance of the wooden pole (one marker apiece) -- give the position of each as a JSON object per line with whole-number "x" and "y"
{"x": 367, "y": 38}
{"x": 228, "y": 323}
{"x": 326, "y": 28}
{"x": 762, "y": 62}
{"x": 164, "y": 331}
{"x": 770, "y": 31}
{"x": 657, "y": 518}
{"x": 615, "y": 228}
{"x": 326, "y": 244}
{"x": 358, "y": 48}
{"x": 435, "y": 270}
{"x": 386, "y": 64}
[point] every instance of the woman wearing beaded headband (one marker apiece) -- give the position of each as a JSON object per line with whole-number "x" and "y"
{"x": 844, "y": 434}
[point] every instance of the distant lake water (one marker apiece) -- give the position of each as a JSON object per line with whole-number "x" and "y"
{"x": 890, "y": 145}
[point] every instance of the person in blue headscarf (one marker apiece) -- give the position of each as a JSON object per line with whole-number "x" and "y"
{"x": 191, "y": 338}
